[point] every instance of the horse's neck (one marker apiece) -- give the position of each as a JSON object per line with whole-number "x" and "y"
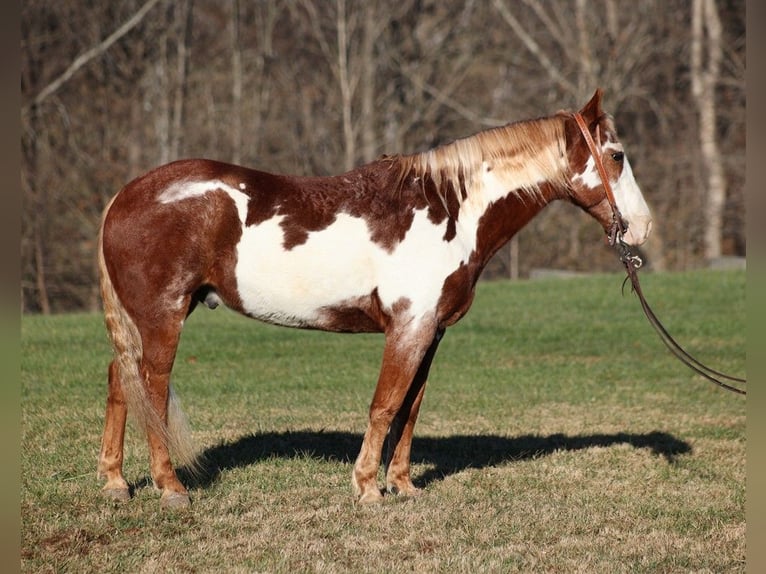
{"x": 486, "y": 220}
{"x": 479, "y": 207}
{"x": 505, "y": 217}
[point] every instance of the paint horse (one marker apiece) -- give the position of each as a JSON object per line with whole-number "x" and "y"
{"x": 395, "y": 246}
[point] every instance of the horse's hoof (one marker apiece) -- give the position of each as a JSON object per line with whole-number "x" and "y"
{"x": 371, "y": 497}
{"x": 118, "y": 494}
{"x": 172, "y": 500}
{"x": 408, "y": 490}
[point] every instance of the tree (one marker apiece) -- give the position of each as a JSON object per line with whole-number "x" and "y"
{"x": 706, "y": 54}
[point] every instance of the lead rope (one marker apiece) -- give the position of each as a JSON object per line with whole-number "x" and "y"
{"x": 633, "y": 262}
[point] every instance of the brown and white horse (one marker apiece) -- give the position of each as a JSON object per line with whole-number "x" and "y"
{"x": 395, "y": 246}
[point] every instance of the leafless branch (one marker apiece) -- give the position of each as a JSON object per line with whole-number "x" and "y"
{"x": 94, "y": 52}
{"x": 534, "y": 48}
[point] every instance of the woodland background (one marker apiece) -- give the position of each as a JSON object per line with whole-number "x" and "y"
{"x": 112, "y": 89}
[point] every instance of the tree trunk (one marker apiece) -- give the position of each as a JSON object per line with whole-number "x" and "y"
{"x": 266, "y": 16}
{"x": 183, "y": 22}
{"x": 367, "y": 95}
{"x": 40, "y": 281}
{"x": 36, "y": 195}
{"x": 586, "y": 73}
{"x": 705, "y": 71}
{"x": 346, "y": 92}
{"x": 236, "y": 85}
{"x": 160, "y": 87}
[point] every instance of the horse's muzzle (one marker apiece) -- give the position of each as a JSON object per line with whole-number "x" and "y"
{"x": 638, "y": 231}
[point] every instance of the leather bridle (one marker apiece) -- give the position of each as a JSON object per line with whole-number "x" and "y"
{"x": 619, "y": 227}
{"x": 633, "y": 262}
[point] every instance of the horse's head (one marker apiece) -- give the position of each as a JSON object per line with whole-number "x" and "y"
{"x": 587, "y": 189}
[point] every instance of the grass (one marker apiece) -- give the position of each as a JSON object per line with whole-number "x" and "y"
{"x": 557, "y": 435}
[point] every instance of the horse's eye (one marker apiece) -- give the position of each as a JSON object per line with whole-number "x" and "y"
{"x": 618, "y": 156}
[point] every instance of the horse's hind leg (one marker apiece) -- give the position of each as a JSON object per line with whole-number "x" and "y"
{"x": 174, "y": 494}
{"x": 160, "y": 345}
{"x": 111, "y": 457}
{"x": 146, "y": 389}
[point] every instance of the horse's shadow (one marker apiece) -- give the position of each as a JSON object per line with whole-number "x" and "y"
{"x": 444, "y": 455}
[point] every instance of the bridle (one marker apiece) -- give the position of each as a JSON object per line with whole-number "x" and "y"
{"x": 633, "y": 262}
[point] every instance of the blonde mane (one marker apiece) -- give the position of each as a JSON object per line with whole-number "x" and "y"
{"x": 526, "y": 153}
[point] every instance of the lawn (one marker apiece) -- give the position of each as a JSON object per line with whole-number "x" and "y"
{"x": 557, "y": 435}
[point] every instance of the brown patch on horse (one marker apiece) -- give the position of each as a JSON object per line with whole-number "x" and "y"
{"x": 191, "y": 259}
{"x": 221, "y": 253}
{"x": 457, "y": 295}
{"x": 388, "y": 211}
{"x": 311, "y": 204}
{"x": 305, "y": 204}
{"x": 596, "y": 119}
{"x": 362, "y": 315}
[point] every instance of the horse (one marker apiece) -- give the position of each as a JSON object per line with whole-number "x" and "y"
{"x": 395, "y": 246}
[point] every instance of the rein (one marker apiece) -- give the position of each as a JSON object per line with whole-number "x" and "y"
{"x": 633, "y": 262}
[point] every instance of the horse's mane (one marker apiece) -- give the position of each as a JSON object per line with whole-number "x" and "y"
{"x": 528, "y": 151}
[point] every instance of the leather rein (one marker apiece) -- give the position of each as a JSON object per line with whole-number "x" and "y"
{"x": 633, "y": 262}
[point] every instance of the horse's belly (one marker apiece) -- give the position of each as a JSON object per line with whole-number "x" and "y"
{"x": 337, "y": 270}
{"x": 333, "y": 268}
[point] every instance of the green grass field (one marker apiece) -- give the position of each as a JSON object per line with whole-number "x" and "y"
{"x": 557, "y": 435}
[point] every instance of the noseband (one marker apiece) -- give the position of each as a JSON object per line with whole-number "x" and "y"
{"x": 632, "y": 263}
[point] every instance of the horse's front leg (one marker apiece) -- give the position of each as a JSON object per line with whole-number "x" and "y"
{"x": 399, "y": 441}
{"x": 403, "y": 355}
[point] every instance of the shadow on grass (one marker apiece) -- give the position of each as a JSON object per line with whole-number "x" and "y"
{"x": 447, "y": 455}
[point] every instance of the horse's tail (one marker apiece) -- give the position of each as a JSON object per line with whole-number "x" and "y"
{"x": 128, "y": 352}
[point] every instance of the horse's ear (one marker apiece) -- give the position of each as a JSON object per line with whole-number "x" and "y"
{"x": 591, "y": 112}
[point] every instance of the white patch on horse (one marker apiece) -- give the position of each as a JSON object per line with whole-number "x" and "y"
{"x": 627, "y": 194}
{"x": 632, "y": 206}
{"x": 182, "y": 190}
{"x": 418, "y": 266}
{"x": 288, "y": 287}
{"x": 630, "y": 200}
{"x": 341, "y": 263}
{"x": 521, "y": 175}
{"x": 590, "y": 177}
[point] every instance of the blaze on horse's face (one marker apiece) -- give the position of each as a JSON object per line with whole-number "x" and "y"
{"x": 588, "y": 190}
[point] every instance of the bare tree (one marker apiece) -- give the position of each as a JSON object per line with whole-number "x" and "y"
{"x": 265, "y": 20}
{"x": 706, "y": 57}
{"x": 183, "y": 28}
{"x": 169, "y": 78}
{"x": 236, "y": 84}
{"x": 346, "y": 39}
